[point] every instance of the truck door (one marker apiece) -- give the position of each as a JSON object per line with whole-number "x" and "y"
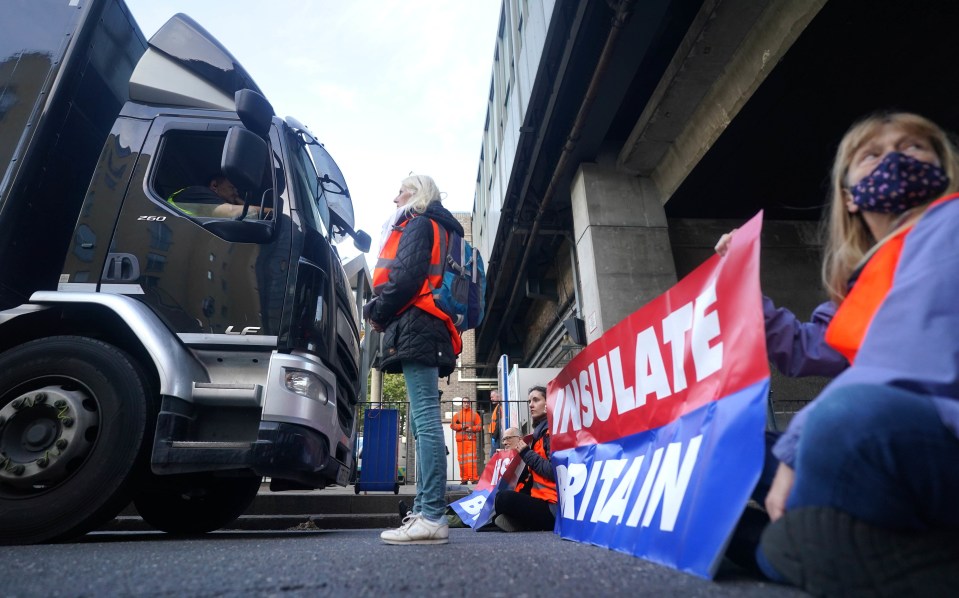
{"x": 170, "y": 251}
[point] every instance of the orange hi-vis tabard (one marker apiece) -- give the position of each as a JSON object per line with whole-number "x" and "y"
{"x": 493, "y": 428}
{"x": 541, "y": 487}
{"x": 848, "y": 327}
{"x": 434, "y": 279}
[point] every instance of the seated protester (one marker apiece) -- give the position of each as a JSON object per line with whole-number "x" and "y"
{"x": 218, "y": 199}
{"x": 857, "y": 230}
{"x": 865, "y": 496}
{"x": 532, "y": 506}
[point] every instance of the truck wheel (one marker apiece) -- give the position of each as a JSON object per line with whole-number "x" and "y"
{"x": 196, "y": 503}
{"x": 74, "y": 415}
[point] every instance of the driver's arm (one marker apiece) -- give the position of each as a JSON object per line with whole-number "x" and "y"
{"x": 228, "y": 210}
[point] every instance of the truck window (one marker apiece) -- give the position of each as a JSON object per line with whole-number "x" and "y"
{"x": 187, "y": 176}
{"x": 308, "y": 188}
{"x": 332, "y": 185}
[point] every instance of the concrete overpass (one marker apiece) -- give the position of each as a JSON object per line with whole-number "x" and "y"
{"x": 623, "y": 137}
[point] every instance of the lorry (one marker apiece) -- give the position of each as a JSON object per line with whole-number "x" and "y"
{"x": 151, "y": 351}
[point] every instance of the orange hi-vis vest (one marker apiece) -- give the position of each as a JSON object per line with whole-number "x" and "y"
{"x": 848, "y": 327}
{"x": 542, "y": 488}
{"x": 494, "y": 421}
{"x": 434, "y": 279}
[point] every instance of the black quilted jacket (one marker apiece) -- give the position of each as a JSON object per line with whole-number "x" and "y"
{"x": 413, "y": 335}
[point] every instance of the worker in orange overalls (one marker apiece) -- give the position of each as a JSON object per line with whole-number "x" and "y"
{"x": 467, "y": 424}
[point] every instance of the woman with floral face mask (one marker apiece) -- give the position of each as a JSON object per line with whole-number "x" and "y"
{"x": 866, "y": 494}
{"x": 914, "y": 164}
{"x": 888, "y": 169}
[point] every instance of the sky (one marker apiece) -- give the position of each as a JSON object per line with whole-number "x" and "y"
{"x": 389, "y": 87}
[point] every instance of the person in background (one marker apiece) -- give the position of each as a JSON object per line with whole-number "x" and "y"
{"x": 864, "y": 497}
{"x": 532, "y": 506}
{"x": 494, "y": 423}
{"x": 467, "y": 424}
{"x": 419, "y": 340}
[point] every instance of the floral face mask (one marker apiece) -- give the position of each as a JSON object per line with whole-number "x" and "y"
{"x": 898, "y": 183}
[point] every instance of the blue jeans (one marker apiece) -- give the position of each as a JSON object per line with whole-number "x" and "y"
{"x": 423, "y": 391}
{"x": 882, "y": 455}
{"x": 493, "y": 446}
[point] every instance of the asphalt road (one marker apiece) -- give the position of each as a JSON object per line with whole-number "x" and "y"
{"x": 347, "y": 563}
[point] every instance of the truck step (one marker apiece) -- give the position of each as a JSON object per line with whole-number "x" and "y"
{"x": 228, "y": 395}
{"x": 191, "y": 444}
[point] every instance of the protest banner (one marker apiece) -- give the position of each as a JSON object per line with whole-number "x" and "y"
{"x": 501, "y": 472}
{"x": 657, "y": 426}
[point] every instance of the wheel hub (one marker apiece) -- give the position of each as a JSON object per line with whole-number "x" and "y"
{"x": 43, "y": 434}
{"x": 39, "y": 435}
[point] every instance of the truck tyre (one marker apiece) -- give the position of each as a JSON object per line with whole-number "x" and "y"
{"x": 195, "y": 503}
{"x": 74, "y": 419}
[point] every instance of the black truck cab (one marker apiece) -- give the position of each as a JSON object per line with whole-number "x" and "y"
{"x": 237, "y": 326}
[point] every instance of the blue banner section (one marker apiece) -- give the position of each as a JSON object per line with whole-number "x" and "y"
{"x": 671, "y": 495}
{"x": 470, "y": 507}
{"x": 487, "y": 513}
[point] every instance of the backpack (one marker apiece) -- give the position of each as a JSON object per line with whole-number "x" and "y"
{"x": 463, "y": 293}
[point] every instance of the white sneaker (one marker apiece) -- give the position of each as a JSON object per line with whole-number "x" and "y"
{"x": 417, "y": 529}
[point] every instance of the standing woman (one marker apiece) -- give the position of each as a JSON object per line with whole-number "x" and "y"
{"x": 532, "y": 506}
{"x": 419, "y": 340}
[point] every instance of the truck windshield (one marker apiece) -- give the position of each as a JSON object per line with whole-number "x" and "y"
{"x": 311, "y": 195}
{"x": 330, "y": 185}
{"x": 332, "y": 182}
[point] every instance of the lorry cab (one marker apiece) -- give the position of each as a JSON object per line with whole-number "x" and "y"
{"x": 233, "y": 310}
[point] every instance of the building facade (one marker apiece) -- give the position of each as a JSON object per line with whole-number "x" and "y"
{"x": 623, "y": 138}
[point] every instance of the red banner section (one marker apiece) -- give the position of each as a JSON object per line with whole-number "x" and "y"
{"x": 499, "y": 464}
{"x": 679, "y": 352}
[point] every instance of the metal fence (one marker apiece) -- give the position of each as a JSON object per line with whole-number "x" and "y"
{"x": 779, "y": 412}
{"x": 459, "y": 455}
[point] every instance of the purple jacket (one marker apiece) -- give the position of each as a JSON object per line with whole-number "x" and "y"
{"x": 799, "y": 348}
{"x": 913, "y": 340}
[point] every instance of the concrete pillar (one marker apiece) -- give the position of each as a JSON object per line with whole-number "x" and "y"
{"x": 622, "y": 245}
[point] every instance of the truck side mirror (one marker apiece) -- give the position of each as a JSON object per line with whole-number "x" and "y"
{"x": 361, "y": 241}
{"x": 244, "y": 159}
{"x": 255, "y": 112}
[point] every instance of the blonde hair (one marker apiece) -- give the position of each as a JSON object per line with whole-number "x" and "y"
{"x": 424, "y": 192}
{"x": 847, "y": 237}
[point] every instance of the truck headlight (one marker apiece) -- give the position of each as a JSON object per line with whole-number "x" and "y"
{"x": 306, "y": 384}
